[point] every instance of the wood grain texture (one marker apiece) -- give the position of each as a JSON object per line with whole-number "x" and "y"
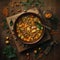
{"x": 53, "y": 5}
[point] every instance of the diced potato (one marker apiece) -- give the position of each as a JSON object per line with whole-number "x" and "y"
{"x": 33, "y": 30}
{"x": 35, "y": 19}
{"x": 22, "y": 37}
{"x": 38, "y": 29}
{"x": 28, "y": 28}
{"x": 39, "y": 34}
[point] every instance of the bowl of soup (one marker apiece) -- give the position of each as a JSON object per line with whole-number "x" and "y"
{"x": 28, "y": 28}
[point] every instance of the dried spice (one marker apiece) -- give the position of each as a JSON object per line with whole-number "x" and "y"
{"x": 5, "y": 11}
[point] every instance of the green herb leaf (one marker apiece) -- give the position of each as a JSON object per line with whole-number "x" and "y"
{"x": 11, "y": 23}
{"x": 39, "y": 25}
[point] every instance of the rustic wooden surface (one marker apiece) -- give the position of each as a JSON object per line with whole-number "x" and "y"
{"x": 54, "y": 6}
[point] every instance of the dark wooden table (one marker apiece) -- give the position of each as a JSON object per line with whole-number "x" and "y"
{"x": 55, "y": 53}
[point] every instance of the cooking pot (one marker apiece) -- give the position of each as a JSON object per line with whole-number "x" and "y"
{"x": 17, "y": 20}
